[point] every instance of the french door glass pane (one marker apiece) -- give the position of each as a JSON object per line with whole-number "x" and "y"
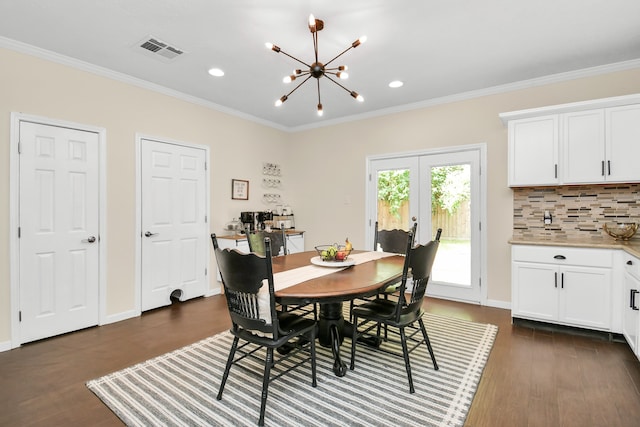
{"x": 450, "y": 210}
{"x": 393, "y": 199}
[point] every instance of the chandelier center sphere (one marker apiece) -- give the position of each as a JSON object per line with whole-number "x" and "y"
{"x": 317, "y": 70}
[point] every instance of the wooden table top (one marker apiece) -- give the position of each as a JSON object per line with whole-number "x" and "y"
{"x": 355, "y": 281}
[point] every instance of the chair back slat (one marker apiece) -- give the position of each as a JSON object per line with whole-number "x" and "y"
{"x": 278, "y": 241}
{"x": 393, "y": 241}
{"x": 417, "y": 270}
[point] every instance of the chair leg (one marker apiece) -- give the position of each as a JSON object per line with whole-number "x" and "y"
{"x": 354, "y": 338}
{"x": 426, "y": 340}
{"x": 313, "y": 356}
{"x": 268, "y": 362}
{"x": 407, "y": 364}
{"x": 232, "y": 353}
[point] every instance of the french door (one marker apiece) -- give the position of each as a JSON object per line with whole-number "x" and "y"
{"x": 437, "y": 190}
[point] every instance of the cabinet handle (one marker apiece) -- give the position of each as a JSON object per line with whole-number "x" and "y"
{"x": 556, "y": 170}
{"x": 602, "y": 172}
{"x": 556, "y": 279}
{"x": 559, "y": 257}
{"x": 562, "y": 280}
{"x": 629, "y": 262}
{"x": 608, "y": 167}
{"x": 632, "y": 299}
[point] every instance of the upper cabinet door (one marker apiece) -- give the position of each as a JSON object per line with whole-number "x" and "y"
{"x": 533, "y": 151}
{"x": 623, "y": 143}
{"x": 583, "y": 152}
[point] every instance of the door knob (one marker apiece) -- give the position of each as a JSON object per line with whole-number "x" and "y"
{"x": 91, "y": 239}
{"x": 149, "y": 234}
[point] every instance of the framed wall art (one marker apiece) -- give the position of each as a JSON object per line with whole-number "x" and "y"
{"x": 239, "y": 189}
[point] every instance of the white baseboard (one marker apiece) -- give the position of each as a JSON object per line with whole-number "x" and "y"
{"x": 118, "y": 317}
{"x": 498, "y": 304}
{"x": 5, "y": 346}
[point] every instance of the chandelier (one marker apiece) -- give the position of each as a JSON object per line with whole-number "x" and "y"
{"x": 317, "y": 69}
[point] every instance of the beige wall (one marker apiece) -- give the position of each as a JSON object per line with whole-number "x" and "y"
{"x": 34, "y": 86}
{"x": 343, "y": 149}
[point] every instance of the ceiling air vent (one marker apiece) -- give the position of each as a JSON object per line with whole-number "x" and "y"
{"x": 159, "y": 49}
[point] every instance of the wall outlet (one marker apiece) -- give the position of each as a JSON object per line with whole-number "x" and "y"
{"x": 547, "y": 218}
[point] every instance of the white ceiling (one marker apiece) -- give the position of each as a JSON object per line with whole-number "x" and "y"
{"x": 439, "y": 48}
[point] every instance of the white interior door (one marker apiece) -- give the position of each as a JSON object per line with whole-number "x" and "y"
{"x": 174, "y": 223}
{"x": 59, "y": 224}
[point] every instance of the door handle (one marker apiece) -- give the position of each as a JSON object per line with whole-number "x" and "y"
{"x": 149, "y": 234}
{"x": 91, "y": 239}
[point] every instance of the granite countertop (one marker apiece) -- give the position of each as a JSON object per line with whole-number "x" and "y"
{"x": 244, "y": 236}
{"x": 630, "y": 246}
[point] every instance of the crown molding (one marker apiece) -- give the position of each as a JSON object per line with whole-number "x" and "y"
{"x": 463, "y": 96}
{"x": 127, "y": 79}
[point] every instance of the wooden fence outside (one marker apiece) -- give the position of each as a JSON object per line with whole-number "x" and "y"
{"x": 454, "y": 227}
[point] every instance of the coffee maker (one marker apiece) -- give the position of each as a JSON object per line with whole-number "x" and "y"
{"x": 249, "y": 220}
{"x": 265, "y": 220}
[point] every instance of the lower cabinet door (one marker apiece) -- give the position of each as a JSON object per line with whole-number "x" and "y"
{"x": 295, "y": 243}
{"x": 585, "y": 297}
{"x": 631, "y": 314}
{"x": 535, "y": 295}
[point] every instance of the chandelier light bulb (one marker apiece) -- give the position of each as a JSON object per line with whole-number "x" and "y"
{"x": 343, "y": 68}
{"x": 342, "y": 75}
{"x": 280, "y": 101}
{"x": 320, "y": 112}
{"x": 272, "y": 46}
{"x": 312, "y": 22}
{"x": 289, "y": 79}
{"x": 357, "y": 96}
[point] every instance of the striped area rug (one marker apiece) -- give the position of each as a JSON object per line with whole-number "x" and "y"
{"x": 179, "y": 388}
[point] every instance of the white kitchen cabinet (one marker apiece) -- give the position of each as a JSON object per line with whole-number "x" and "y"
{"x": 623, "y": 143}
{"x": 569, "y": 286}
{"x": 631, "y": 303}
{"x": 581, "y": 143}
{"x": 583, "y": 147}
{"x": 533, "y": 151}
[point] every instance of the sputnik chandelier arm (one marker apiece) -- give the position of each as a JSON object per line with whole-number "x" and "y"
{"x": 317, "y": 69}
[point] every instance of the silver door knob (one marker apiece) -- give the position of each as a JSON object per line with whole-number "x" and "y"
{"x": 413, "y": 218}
{"x": 149, "y": 234}
{"x": 91, "y": 239}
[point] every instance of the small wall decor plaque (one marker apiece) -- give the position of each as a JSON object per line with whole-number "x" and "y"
{"x": 239, "y": 189}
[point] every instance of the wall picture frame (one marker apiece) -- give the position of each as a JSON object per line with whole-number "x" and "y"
{"x": 239, "y": 189}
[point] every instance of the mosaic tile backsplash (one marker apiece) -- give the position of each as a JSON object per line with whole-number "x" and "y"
{"x": 578, "y": 211}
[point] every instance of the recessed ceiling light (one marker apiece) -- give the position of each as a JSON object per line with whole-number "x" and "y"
{"x": 396, "y": 83}
{"x": 216, "y": 72}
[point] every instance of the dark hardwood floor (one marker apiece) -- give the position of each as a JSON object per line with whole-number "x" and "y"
{"x": 533, "y": 378}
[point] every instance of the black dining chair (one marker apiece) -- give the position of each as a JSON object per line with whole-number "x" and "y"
{"x": 393, "y": 241}
{"x": 256, "y": 321}
{"x": 278, "y": 241}
{"x": 401, "y": 315}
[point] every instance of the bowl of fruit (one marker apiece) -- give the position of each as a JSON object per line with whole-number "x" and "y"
{"x": 334, "y": 252}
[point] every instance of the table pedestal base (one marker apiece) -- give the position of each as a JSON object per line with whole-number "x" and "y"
{"x": 331, "y": 333}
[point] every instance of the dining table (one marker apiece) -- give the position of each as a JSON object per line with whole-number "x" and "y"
{"x": 330, "y": 285}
